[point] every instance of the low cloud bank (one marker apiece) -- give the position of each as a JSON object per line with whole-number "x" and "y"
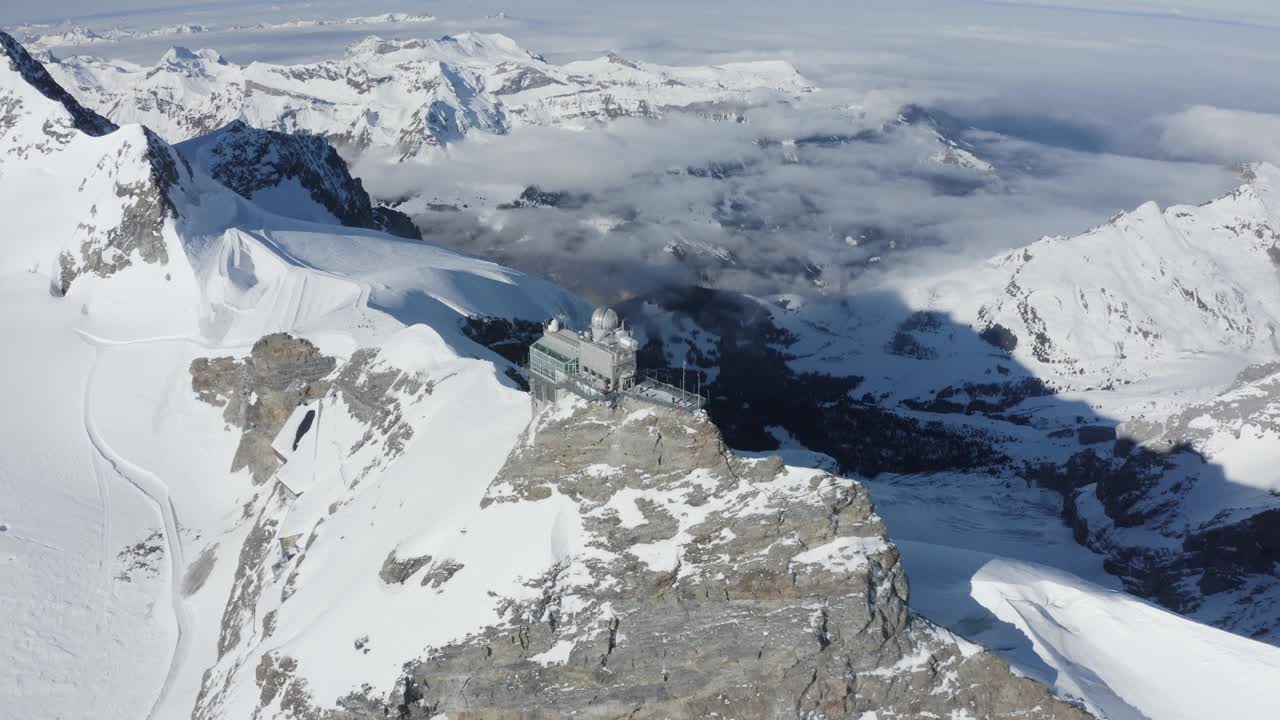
{"x": 1214, "y": 134}
{"x": 801, "y": 200}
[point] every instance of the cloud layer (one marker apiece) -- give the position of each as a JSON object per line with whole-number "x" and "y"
{"x": 1214, "y": 134}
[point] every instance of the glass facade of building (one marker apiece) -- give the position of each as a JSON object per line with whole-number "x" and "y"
{"x": 549, "y": 364}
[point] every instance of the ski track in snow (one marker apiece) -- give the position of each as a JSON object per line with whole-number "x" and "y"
{"x": 158, "y": 493}
{"x": 104, "y": 502}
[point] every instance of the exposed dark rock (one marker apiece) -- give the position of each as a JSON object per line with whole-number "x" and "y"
{"x": 507, "y": 337}
{"x": 990, "y": 399}
{"x": 535, "y": 197}
{"x": 441, "y": 572}
{"x": 904, "y": 344}
{"x": 248, "y": 160}
{"x": 1145, "y": 489}
{"x": 260, "y": 392}
{"x": 1001, "y": 337}
{"x": 395, "y": 570}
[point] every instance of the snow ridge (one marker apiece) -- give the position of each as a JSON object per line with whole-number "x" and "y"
{"x": 36, "y": 76}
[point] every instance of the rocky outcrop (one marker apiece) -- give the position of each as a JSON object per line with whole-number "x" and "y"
{"x": 249, "y": 161}
{"x": 259, "y": 392}
{"x": 143, "y": 180}
{"x": 508, "y": 337}
{"x": 706, "y": 585}
{"x": 364, "y": 399}
{"x": 535, "y": 197}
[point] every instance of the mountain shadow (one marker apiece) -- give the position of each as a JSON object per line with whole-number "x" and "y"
{"x": 917, "y": 392}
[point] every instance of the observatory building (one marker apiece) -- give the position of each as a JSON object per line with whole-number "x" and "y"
{"x": 597, "y": 365}
{"x": 593, "y": 364}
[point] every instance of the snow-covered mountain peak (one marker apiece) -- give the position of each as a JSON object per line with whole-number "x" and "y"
{"x": 84, "y": 198}
{"x": 462, "y": 47}
{"x": 411, "y": 95}
{"x": 1260, "y": 193}
{"x": 951, "y": 151}
{"x": 1151, "y": 286}
{"x": 90, "y": 208}
{"x": 298, "y": 176}
{"x": 36, "y": 113}
{"x": 192, "y": 59}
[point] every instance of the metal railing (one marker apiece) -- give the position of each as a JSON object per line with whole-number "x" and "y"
{"x": 648, "y": 389}
{"x": 655, "y": 391}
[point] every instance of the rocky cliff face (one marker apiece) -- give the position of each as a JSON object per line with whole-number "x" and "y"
{"x": 263, "y": 165}
{"x": 35, "y": 74}
{"x": 692, "y": 583}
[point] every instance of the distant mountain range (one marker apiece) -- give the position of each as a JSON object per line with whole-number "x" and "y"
{"x": 412, "y": 95}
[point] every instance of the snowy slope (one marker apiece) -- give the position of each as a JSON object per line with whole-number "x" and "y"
{"x": 25, "y": 105}
{"x": 1140, "y": 298}
{"x": 1131, "y": 659}
{"x": 133, "y": 536}
{"x": 411, "y": 95}
{"x": 992, "y": 561}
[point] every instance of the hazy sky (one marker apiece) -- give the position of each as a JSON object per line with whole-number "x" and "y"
{"x": 18, "y": 12}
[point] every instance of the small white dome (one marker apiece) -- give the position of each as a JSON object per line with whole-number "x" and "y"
{"x": 604, "y": 319}
{"x": 554, "y": 325}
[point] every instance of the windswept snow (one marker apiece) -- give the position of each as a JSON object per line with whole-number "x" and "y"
{"x": 994, "y": 563}
{"x": 1128, "y": 658}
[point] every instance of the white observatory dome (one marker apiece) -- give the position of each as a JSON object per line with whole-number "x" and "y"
{"x": 604, "y": 318}
{"x": 603, "y": 322}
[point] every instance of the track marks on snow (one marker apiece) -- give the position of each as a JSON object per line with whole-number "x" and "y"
{"x": 157, "y": 492}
